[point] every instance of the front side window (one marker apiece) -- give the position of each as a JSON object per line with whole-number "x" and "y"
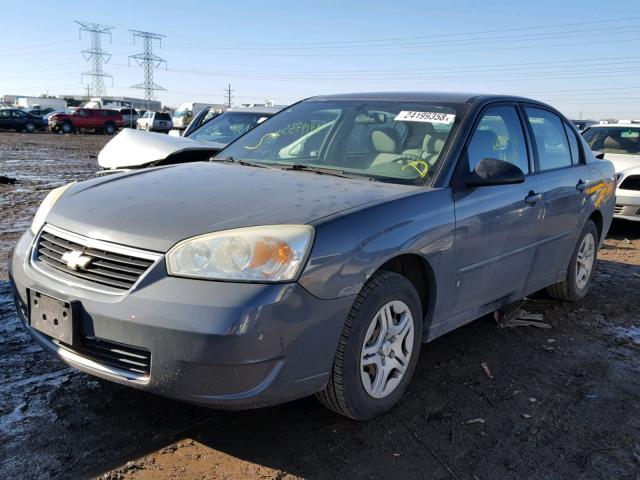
{"x": 499, "y": 135}
{"x": 396, "y": 141}
{"x": 614, "y": 139}
{"x": 19, "y": 114}
{"x": 550, "y": 139}
{"x": 83, "y": 113}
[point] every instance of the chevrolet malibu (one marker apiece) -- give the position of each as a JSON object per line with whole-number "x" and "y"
{"x": 317, "y": 252}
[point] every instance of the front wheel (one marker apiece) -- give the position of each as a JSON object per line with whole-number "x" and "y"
{"x": 67, "y": 127}
{"x": 378, "y": 349}
{"x": 581, "y": 268}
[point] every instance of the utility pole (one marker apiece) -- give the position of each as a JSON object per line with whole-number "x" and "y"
{"x": 149, "y": 61}
{"x": 227, "y": 92}
{"x": 96, "y": 55}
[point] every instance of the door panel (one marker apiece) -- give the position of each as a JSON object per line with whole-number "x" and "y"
{"x": 564, "y": 180}
{"x": 496, "y": 231}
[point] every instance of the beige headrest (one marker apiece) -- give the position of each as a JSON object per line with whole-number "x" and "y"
{"x": 434, "y": 143}
{"x": 385, "y": 140}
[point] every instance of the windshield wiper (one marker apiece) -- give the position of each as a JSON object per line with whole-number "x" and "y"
{"x": 321, "y": 171}
{"x": 246, "y": 163}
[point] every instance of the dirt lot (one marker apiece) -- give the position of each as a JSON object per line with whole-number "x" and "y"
{"x": 562, "y": 402}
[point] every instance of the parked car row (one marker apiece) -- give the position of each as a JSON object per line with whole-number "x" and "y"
{"x": 317, "y": 250}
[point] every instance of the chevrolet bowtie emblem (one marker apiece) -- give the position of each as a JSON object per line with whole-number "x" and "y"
{"x": 76, "y": 260}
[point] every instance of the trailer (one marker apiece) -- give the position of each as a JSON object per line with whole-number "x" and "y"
{"x": 57, "y": 104}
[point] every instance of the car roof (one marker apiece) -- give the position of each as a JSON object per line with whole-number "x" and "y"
{"x": 265, "y": 110}
{"x": 448, "y": 97}
{"x": 619, "y": 125}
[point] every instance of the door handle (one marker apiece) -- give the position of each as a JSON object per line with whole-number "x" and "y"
{"x": 532, "y": 198}
{"x": 581, "y": 186}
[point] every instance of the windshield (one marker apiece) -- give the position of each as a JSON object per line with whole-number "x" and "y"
{"x": 614, "y": 139}
{"x": 180, "y": 113}
{"x": 228, "y": 126}
{"x": 396, "y": 141}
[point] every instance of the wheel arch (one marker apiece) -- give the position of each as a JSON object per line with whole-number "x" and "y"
{"x": 419, "y": 272}
{"x": 597, "y": 218}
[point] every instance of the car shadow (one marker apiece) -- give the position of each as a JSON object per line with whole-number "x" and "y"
{"x": 624, "y": 229}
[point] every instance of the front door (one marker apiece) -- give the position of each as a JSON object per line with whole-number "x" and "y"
{"x": 565, "y": 180}
{"x": 497, "y": 227}
{"x": 5, "y": 119}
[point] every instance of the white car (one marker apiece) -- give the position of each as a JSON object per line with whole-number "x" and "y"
{"x": 155, "y": 122}
{"x": 620, "y": 144}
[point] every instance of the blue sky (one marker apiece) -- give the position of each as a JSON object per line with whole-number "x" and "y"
{"x": 580, "y": 56}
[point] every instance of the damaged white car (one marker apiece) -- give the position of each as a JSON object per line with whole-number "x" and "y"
{"x": 133, "y": 149}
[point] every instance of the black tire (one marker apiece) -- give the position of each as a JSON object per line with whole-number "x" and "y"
{"x": 67, "y": 127}
{"x": 345, "y": 393}
{"x": 110, "y": 128}
{"x": 29, "y": 127}
{"x": 568, "y": 290}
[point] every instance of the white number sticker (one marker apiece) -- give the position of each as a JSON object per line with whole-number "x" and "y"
{"x": 430, "y": 117}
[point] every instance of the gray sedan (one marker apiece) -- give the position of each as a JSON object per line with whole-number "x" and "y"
{"x": 317, "y": 252}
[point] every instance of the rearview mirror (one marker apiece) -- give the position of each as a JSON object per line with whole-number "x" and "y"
{"x": 491, "y": 171}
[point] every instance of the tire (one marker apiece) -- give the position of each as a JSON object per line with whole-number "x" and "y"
{"x": 346, "y": 392}
{"x": 578, "y": 280}
{"x": 29, "y": 127}
{"x": 109, "y": 129}
{"x": 67, "y": 127}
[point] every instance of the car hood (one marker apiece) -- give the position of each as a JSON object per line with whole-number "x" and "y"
{"x": 155, "y": 208}
{"x": 135, "y": 148}
{"x": 622, "y": 161}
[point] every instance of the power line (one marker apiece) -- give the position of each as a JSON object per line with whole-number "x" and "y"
{"x": 149, "y": 61}
{"x": 96, "y": 55}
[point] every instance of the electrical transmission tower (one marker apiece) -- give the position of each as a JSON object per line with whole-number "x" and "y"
{"x": 227, "y": 92}
{"x": 149, "y": 61}
{"x": 96, "y": 55}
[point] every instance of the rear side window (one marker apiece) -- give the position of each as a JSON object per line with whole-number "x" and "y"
{"x": 550, "y": 139}
{"x": 499, "y": 135}
{"x": 573, "y": 144}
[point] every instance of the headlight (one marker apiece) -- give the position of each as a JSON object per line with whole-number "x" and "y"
{"x": 46, "y": 206}
{"x": 266, "y": 254}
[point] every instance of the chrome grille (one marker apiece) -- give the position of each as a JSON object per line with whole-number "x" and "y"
{"x": 112, "y": 268}
{"x": 618, "y": 209}
{"x": 118, "y": 355}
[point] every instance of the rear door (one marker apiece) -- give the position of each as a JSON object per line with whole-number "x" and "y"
{"x": 565, "y": 178}
{"x": 496, "y": 226}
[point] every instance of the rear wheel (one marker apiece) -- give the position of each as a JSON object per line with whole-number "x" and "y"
{"x": 581, "y": 268}
{"x": 29, "y": 127}
{"x": 378, "y": 349}
{"x": 109, "y": 129}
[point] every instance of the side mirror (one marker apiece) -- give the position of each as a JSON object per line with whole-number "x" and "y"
{"x": 599, "y": 155}
{"x": 491, "y": 171}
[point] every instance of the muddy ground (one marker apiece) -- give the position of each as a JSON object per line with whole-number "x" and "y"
{"x": 562, "y": 402}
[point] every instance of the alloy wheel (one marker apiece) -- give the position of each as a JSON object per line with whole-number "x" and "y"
{"x": 386, "y": 350}
{"x": 585, "y": 260}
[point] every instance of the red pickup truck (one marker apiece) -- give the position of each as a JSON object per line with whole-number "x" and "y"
{"x": 96, "y": 119}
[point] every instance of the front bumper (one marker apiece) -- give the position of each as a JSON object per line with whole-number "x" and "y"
{"x": 233, "y": 345}
{"x": 627, "y": 205}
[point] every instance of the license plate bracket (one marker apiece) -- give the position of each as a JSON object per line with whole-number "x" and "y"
{"x": 52, "y": 316}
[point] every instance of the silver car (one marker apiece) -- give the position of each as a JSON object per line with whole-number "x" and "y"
{"x": 317, "y": 252}
{"x": 155, "y": 122}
